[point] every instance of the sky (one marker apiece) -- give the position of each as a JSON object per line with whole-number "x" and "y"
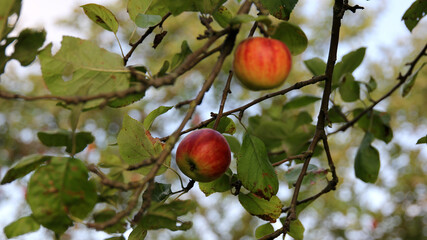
{"x": 42, "y": 14}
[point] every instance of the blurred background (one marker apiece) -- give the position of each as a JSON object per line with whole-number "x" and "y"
{"x": 395, "y": 207}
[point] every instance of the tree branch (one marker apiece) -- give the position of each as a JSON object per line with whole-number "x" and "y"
{"x": 402, "y": 79}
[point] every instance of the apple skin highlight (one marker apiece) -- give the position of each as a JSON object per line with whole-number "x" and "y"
{"x": 262, "y": 63}
{"x": 203, "y": 155}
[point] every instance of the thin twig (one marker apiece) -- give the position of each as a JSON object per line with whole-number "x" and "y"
{"x": 402, "y": 79}
{"x": 224, "y": 98}
{"x": 143, "y": 37}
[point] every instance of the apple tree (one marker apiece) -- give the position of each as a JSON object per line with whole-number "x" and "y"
{"x": 134, "y": 184}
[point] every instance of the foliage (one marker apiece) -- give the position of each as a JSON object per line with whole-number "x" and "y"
{"x": 287, "y": 146}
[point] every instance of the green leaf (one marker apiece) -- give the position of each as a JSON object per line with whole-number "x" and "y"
{"x": 59, "y": 189}
{"x": 145, "y": 20}
{"x": 336, "y": 115}
{"x": 90, "y": 70}
{"x": 180, "y": 57}
{"x": 422, "y": 140}
{"x": 313, "y": 174}
{"x": 207, "y": 6}
{"x": 316, "y": 66}
{"x": 107, "y": 214}
{"x": 148, "y": 121}
{"x": 268, "y": 210}
{"x": 21, "y": 226}
{"x": 414, "y": 14}
{"x": 161, "y": 215}
{"x": 28, "y": 42}
{"x": 161, "y": 192}
{"x": 226, "y": 125}
{"x": 300, "y": 101}
{"x": 233, "y": 143}
{"x": 406, "y": 88}
{"x": 163, "y": 69}
{"x": 296, "y": 229}
{"x": 136, "y": 146}
{"x": 348, "y": 64}
{"x": 101, "y": 16}
{"x": 367, "y": 161}
{"x": 263, "y": 230}
{"x": 23, "y": 167}
{"x": 63, "y": 138}
{"x": 221, "y": 184}
{"x": 222, "y": 16}
{"x": 371, "y": 85}
{"x": 255, "y": 170}
{"x": 7, "y": 9}
{"x": 349, "y": 88}
{"x": 292, "y": 36}
{"x": 138, "y": 233}
{"x": 280, "y": 9}
{"x": 378, "y": 123}
{"x": 242, "y": 18}
{"x": 116, "y": 238}
{"x": 129, "y": 98}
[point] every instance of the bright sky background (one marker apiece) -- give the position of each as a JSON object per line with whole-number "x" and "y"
{"x": 42, "y": 14}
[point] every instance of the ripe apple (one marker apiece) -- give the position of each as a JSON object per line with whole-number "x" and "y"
{"x": 262, "y": 63}
{"x": 203, "y": 155}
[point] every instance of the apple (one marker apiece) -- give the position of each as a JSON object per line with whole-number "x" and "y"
{"x": 262, "y": 63}
{"x": 203, "y": 155}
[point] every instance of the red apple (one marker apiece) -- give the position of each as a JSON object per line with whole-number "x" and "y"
{"x": 262, "y": 63}
{"x": 203, "y": 155}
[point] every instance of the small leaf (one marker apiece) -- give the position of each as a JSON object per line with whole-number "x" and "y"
{"x": 254, "y": 168}
{"x": 348, "y": 64}
{"x": 59, "y": 189}
{"x": 312, "y": 175}
{"x": 300, "y": 101}
{"x": 161, "y": 192}
{"x": 223, "y": 16}
{"x": 145, "y": 20}
{"x": 280, "y": 9}
{"x": 138, "y": 233}
{"x": 336, "y": 115}
{"x": 422, "y": 140}
{"x": 292, "y": 36}
{"x": 226, "y": 125}
{"x": 242, "y": 18}
{"x": 148, "y": 121}
{"x": 415, "y": 13}
{"x": 233, "y": 143}
{"x": 107, "y": 214}
{"x": 367, "y": 162}
{"x": 21, "y": 226}
{"x": 180, "y": 57}
{"x": 349, "y": 88}
{"x": 263, "y": 230}
{"x": 316, "y": 66}
{"x": 268, "y": 210}
{"x": 163, "y": 69}
{"x": 136, "y": 145}
{"x": 296, "y": 229}
{"x": 371, "y": 85}
{"x": 7, "y": 9}
{"x": 221, "y": 184}
{"x": 23, "y": 167}
{"x": 378, "y": 124}
{"x": 28, "y": 43}
{"x": 101, "y": 16}
{"x": 207, "y": 6}
{"x": 161, "y": 215}
{"x": 406, "y": 88}
{"x": 63, "y": 138}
